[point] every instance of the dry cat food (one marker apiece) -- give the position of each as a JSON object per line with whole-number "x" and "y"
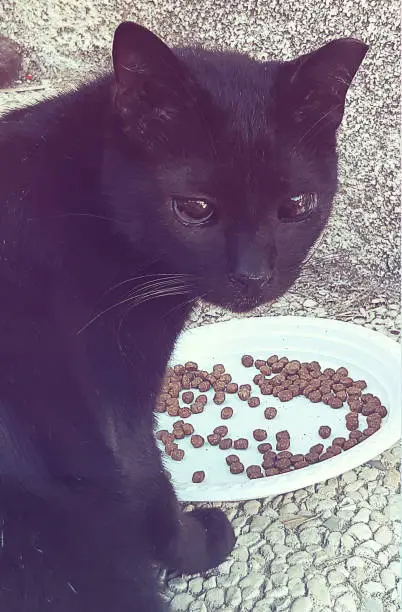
{"x": 277, "y": 376}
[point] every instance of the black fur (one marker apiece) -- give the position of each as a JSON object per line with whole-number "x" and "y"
{"x": 97, "y": 277}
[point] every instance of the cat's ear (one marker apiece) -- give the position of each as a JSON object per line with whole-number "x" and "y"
{"x": 317, "y": 82}
{"x": 146, "y": 70}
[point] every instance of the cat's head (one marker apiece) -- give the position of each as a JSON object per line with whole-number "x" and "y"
{"x": 227, "y": 165}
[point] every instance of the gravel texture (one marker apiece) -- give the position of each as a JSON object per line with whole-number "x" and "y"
{"x": 346, "y": 556}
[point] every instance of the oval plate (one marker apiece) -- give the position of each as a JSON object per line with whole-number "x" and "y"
{"x": 368, "y": 355}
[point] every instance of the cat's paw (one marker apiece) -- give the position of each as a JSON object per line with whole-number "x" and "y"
{"x": 207, "y": 537}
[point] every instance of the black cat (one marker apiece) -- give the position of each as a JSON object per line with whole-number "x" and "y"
{"x": 187, "y": 174}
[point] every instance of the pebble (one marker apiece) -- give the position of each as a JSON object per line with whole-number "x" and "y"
{"x": 248, "y": 539}
{"x": 345, "y": 603}
{"x": 252, "y": 580}
{"x": 215, "y": 598}
{"x": 349, "y": 476}
{"x": 302, "y": 604}
{"x": 209, "y": 583}
{"x": 275, "y": 535}
{"x": 198, "y": 606}
{"x": 224, "y": 567}
{"x": 347, "y": 543}
{"x": 310, "y": 535}
{"x": 300, "y": 558}
{"x": 309, "y": 303}
{"x": 296, "y": 587}
{"x": 295, "y": 571}
{"x": 280, "y": 579}
{"x": 336, "y": 576}
{"x": 318, "y": 590}
{"x": 233, "y": 596}
{"x": 239, "y": 569}
{"x": 363, "y": 516}
{"x": 372, "y": 605}
{"x": 360, "y": 531}
{"x": 195, "y": 585}
{"x": 383, "y": 535}
{"x": 240, "y": 553}
{"x": 387, "y": 579}
{"x": 251, "y": 507}
{"x": 181, "y": 602}
{"x": 373, "y": 587}
{"x": 259, "y": 523}
{"x": 178, "y": 585}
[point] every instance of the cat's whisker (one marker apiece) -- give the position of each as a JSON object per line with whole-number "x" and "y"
{"x": 313, "y": 127}
{"x": 134, "y": 278}
{"x": 136, "y": 297}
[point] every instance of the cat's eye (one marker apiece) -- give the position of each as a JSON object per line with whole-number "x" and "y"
{"x": 297, "y": 207}
{"x": 192, "y": 211}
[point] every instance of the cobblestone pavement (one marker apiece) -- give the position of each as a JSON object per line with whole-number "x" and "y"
{"x": 345, "y": 557}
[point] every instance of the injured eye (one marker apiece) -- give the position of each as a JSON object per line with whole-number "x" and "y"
{"x": 297, "y": 208}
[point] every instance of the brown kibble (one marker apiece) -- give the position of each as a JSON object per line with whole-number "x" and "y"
{"x": 178, "y": 424}
{"x": 339, "y": 441}
{"x": 170, "y": 447}
{"x": 244, "y": 394}
{"x": 259, "y": 435}
{"x": 265, "y": 370}
{"x": 198, "y": 476}
{"x": 369, "y": 431}
{"x": 220, "y": 385}
{"x": 259, "y": 363}
{"x": 226, "y": 378}
{"x": 277, "y": 389}
{"x": 264, "y": 447}
{"x": 311, "y": 457}
{"x": 324, "y": 431}
{"x": 173, "y": 411}
{"x": 247, "y": 361}
{"x": 201, "y": 399}
{"x": 188, "y": 429}
{"x": 227, "y": 412}
{"x": 191, "y": 366}
{"x": 253, "y": 471}
{"x": 214, "y": 439}
{"x": 221, "y": 430}
{"x": 232, "y": 459}
{"x": 270, "y": 413}
{"x": 327, "y": 398}
{"x": 283, "y": 463}
{"x": 285, "y": 396}
{"x": 324, "y": 388}
{"x": 231, "y": 388}
{"x": 197, "y": 441}
{"x": 325, "y": 456}
{"x": 300, "y": 464}
{"x": 253, "y": 402}
{"x": 351, "y": 425}
{"x": 218, "y": 369}
{"x": 337, "y": 387}
{"x": 355, "y": 404}
{"x": 341, "y": 372}
{"x": 178, "y": 433}
{"x": 272, "y": 471}
{"x": 282, "y": 434}
{"x": 282, "y": 444}
{"x": 277, "y": 367}
{"x": 211, "y": 378}
{"x": 335, "y": 402}
{"x": 204, "y": 386}
{"x": 240, "y": 444}
{"x": 225, "y": 443}
{"x": 184, "y": 412}
{"x": 177, "y": 454}
{"x": 374, "y": 420}
{"x": 317, "y": 448}
{"x": 315, "y": 396}
{"x": 349, "y": 444}
{"x": 179, "y": 369}
{"x": 266, "y": 388}
{"x": 219, "y": 397}
{"x": 296, "y": 458}
{"x": 361, "y": 384}
{"x": 161, "y": 434}
{"x": 342, "y": 395}
{"x": 197, "y": 408}
{"x": 354, "y": 391}
{"x": 356, "y": 434}
{"x": 236, "y": 468}
{"x": 334, "y": 450}
{"x": 382, "y": 411}
{"x": 272, "y": 359}
{"x": 187, "y": 397}
{"x": 196, "y": 382}
{"x": 346, "y": 381}
{"x": 258, "y": 379}
{"x": 368, "y": 409}
{"x": 269, "y": 462}
{"x": 328, "y": 372}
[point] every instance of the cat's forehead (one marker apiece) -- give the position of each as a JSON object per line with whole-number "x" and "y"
{"x": 240, "y": 90}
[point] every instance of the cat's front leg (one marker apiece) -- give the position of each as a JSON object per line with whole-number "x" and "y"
{"x": 187, "y": 542}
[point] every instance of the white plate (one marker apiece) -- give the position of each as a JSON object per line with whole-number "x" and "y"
{"x": 367, "y": 354}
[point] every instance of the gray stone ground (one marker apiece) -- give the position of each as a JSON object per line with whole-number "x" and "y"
{"x": 347, "y": 557}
